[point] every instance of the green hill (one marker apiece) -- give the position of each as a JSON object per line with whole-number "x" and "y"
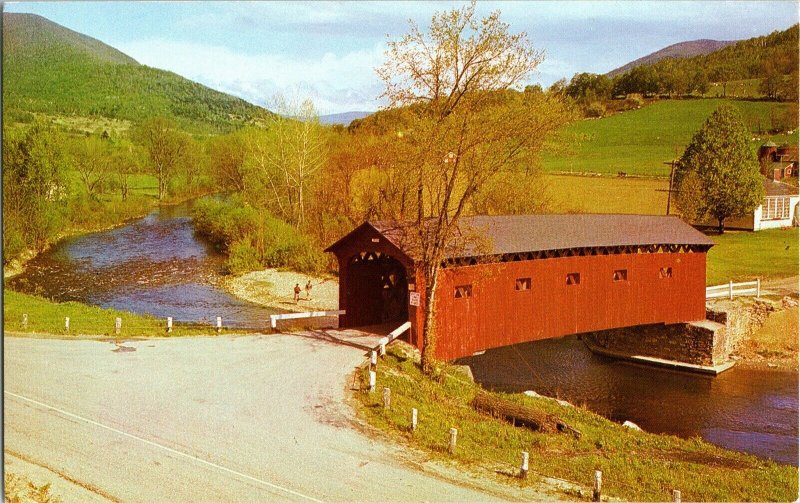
{"x": 639, "y": 141}
{"x": 50, "y": 69}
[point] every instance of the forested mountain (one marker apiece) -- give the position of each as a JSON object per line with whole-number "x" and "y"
{"x": 50, "y": 69}
{"x": 768, "y": 58}
{"x": 679, "y": 50}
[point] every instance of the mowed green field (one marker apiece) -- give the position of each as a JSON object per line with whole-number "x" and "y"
{"x": 594, "y": 194}
{"x": 641, "y": 141}
{"x": 745, "y": 256}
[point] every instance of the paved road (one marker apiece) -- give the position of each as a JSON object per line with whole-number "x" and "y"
{"x": 205, "y": 419}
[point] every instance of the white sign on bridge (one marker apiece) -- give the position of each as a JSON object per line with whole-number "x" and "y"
{"x": 413, "y": 298}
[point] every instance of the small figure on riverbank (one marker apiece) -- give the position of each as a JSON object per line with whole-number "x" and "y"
{"x": 308, "y": 290}
{"x": 296, "y": 293}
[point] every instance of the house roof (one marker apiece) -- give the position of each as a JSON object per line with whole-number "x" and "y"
{"x": 776, "y": 188}
{"x": 499, "y": 235}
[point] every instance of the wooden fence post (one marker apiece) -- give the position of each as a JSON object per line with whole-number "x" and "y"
{"x": 66, "y": 323}
{"x": 730, "y": 286}
{"x": 523, "y": 470}
{"x": 598, "y": 485}
{"x": 371, "y": 381}
{"x": 117, "y": 326}
{"x": 219, "y": 324}
{"x": 453, "y": 436}
{"x": 413, "y": 419}
{"x": 387, "y": 398}
{"x": 25, "y": 321}
{"x": 169, "y": 324}
{"x": 676, "y": 496}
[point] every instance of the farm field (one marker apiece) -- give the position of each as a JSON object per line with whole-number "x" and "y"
{"x": 744, "y": 256}
{"x": 595, "y": 194}
{"x": 640, "y": 142}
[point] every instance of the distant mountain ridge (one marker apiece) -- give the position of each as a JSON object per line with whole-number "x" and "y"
{"x": 680, "y": 50}
{"x": 344, "y": 118}
{"x": 50, "y": 69}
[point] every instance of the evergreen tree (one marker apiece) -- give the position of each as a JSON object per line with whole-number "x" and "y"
{"x": 720, "y": 163}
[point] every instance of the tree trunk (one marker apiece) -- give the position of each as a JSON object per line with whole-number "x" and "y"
{"x": 429, "y": 326}
{"x": 721, "y": 227}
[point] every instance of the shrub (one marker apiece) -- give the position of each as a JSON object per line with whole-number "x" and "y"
{"x": 595, "y": 109}
{"x": 254, "y": 239}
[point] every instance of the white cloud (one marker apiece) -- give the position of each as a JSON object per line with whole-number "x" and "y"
{"x": 335, "y": 82}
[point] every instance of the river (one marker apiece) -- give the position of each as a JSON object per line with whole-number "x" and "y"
{"x": 157, "y": 265}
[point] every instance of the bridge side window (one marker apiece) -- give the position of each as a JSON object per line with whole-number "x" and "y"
{"x": 574, "y": 278}
{"x": 621, "y": 275}
{"x": 522, "y": 284}
{"x": 665, "y": 272}
{"x": 463, "y": 292}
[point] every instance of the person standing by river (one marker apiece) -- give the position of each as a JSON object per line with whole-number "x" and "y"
{"x": 308, "y": 290}
{"x": 296, "y": 293}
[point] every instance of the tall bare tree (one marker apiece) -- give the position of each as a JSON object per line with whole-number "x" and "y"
{"x": 287, "y": 158}
{"x": 467, "y": 127}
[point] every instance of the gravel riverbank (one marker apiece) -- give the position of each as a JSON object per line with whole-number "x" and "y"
{"x": 275, "y": 288}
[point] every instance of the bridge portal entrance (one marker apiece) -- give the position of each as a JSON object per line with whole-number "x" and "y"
{"x": 377, "y": 290}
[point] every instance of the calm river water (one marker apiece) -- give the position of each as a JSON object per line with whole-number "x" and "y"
{"x": 157, "y": 265}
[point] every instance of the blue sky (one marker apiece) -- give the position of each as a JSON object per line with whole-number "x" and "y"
{"x": 327, "y": 51}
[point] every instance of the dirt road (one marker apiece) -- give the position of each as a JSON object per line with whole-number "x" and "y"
{"x": 249, "y": 418}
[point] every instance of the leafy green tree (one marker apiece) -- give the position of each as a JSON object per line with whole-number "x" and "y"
{"x": 33, "y": 188}
{"x": 165, "y": 146}
{"x": 721, "y": 169}
{"x": 91, "y": 158}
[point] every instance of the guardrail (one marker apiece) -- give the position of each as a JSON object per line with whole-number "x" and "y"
{"x": 273, "y": 318}
{"x": 731, "y": 290}
{"x": 394, "y": 334}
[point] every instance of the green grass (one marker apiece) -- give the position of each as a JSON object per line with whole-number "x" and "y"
{"x": 640, "y": 141}
{"x": 47, "y": 318}
{"x": 636, "y": 466}
{"x": 592, "y": 194}
{"x": 744, "y": 256}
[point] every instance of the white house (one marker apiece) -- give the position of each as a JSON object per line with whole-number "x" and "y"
{"x": 779, "y": 209}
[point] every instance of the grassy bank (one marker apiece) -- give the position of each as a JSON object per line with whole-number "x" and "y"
{"x": 636, "y": 465}
{"x": 640, "y": 141}
{"x": 47, "y": 318}
{"x": 744, "y": 256}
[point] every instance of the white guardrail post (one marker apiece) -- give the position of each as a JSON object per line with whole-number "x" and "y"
{"x": 273, "y": 318}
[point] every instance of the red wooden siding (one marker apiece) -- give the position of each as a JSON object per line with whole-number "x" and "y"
{"x": 498, "y": 315}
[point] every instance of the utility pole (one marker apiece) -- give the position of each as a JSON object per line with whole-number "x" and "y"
{"x": 671, "y": 180}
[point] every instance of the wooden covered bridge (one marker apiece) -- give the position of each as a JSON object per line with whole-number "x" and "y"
{"x": 531, "y": 277}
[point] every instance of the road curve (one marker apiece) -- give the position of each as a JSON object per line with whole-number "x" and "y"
{"x": 248, "y": 418}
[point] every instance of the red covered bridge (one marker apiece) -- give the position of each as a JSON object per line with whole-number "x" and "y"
{"x": 530, "y": 277}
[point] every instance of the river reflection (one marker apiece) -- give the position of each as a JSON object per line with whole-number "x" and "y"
{"x": 753, "y": 411}
{"x": 155, "y": 265}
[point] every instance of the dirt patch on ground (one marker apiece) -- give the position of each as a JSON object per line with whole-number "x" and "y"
{"x": 775, "y": 344}
{"x": 274, "y": 288}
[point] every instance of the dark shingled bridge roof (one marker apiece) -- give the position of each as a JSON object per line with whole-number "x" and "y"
{"x": 506, "y": 234}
